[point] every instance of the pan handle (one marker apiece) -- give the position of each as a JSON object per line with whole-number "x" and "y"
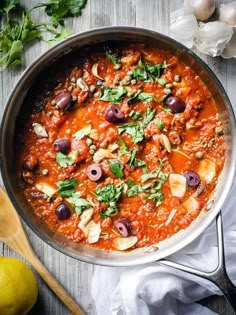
{"x": 218, "y": 276}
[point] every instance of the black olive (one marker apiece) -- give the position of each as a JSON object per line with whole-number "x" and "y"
{"x": 175, "y": 104}
{"x": 63, "y": 100}
{"x": 62, "y": 145}
{"x": 114, "y": 114}
{"x": 192, "y": 178}
{"x": 94, "y": 172}
{"x": 123, "y": 225}
{"x": 63, "y": 212}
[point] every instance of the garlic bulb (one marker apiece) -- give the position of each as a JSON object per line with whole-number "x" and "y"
{"x": 203, "y": 9}
{"x": 227, "y": 13}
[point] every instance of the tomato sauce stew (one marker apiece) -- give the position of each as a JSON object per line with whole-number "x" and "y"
{"x": 119, "y": 147}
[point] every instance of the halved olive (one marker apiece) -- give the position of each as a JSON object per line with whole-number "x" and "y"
{"x": 114, "y": 114}
{"x": 123, "y": 225}
{"x": 94, "y": 172}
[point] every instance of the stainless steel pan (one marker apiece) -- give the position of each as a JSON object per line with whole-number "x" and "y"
{"x": 167, "y": 247}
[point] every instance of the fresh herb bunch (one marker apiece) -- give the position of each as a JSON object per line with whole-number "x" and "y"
{"x": 19, "y": 28}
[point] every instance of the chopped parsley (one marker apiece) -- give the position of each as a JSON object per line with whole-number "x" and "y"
{"x": 116, "y": 168}
{"x": 109, "y": 212}
{"x": 134, "y": 190}
{"x": 67, "y": 187}
{"x": 111, "y": 55}
{"x": 134, "y": 130}
{"x": 152, "y": 190}
{"x": 123, "y": 147}
{"x": 136, "y": 115}
{"x": 159, "y": 124}
{"x": 148, "y": 72}
{"x": 134, "y": 161}
{"x": 132, "y": 157}
{"x": 109, "y": 194}
{"x": 114, "y": 95}
{"x": 149, "y": 116}
{"x": 78, "y": 203}
{"x": 145, "y": 177}
{"x": 64, "y": 160}
{"x": 113, "y": 58}
{"x": 83, "y": 132}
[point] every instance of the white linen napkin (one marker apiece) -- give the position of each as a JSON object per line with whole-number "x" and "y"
{"x": 154, "y": 289}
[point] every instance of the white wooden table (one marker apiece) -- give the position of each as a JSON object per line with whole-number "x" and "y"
{"x": 152, "y": 14}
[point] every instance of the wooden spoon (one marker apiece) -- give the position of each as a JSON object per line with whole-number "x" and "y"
{"x": 13, "y": 234}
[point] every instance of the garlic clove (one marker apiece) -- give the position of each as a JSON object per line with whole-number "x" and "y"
{"x": 123, "y": 243}
{"x": 184, "y": 25}
{"x": 166, "y": 142}
{"x": 92, "y": 231}
{"x": 95, "y": 71}
{"x": 213, "y": 37}
{"x": 85, "y": 217}
{"x": 207, "y": 169}
{"x": 203, "y": 9}
{"x": 40, "y": 130}
{"x": 46, "y": 189}
{"x": 177, "y": 185}
{"x": 82, "y": 84}
{"x": 227, "y": 13}
{"x": 191, "y": 204}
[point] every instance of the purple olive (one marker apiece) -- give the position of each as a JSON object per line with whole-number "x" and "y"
{"x": 192, "y": 178}
{"x": 63, "y": 212}
{"x": 63, "y": 100}
{"x": 175, "y": 104}
{"x": 113, "y": 114}
{"x": 94, "y": 172}
{"x": 62, "y": 145}
{"x": 123, "y": 226}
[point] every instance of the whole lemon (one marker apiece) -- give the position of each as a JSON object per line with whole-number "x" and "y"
{"x": 18, "y": 287}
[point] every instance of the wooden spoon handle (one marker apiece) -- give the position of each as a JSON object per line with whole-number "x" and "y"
{"x": 55, "y": 286}
{"x": 12, "y": 233}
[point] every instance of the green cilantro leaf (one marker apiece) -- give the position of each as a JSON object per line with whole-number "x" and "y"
{"x": 64, "y": 160}
{"x": 113, "y": 58}
{"x": 147, "y": 176}
{"x": 132, "y": 157}
{"x": 114, "y": 95}
{"x": 109, "y": 193}
{"x": 61, "y": 9}
{"x": 83, "y": 132}
{"x": 134, "y": 190}
{"x": 64, "y": 33}
{"x": 139, "y": 163}
{"x": 109, "y": 212}
{"x": 123, "y": 147}
{"x": 149, "y": 115}
{"x": 67, "y": 187}
{"x": 158, "y": 196}
{"x": 136, "y": 115}
{"x": 116, "y": 168}
{"x": 148, "y": 72}
{"x": 9, "y": 5}
{"x": 159, "y": 124}
{"x": 79, "y": 204}
{"x": 135, "y": 130}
